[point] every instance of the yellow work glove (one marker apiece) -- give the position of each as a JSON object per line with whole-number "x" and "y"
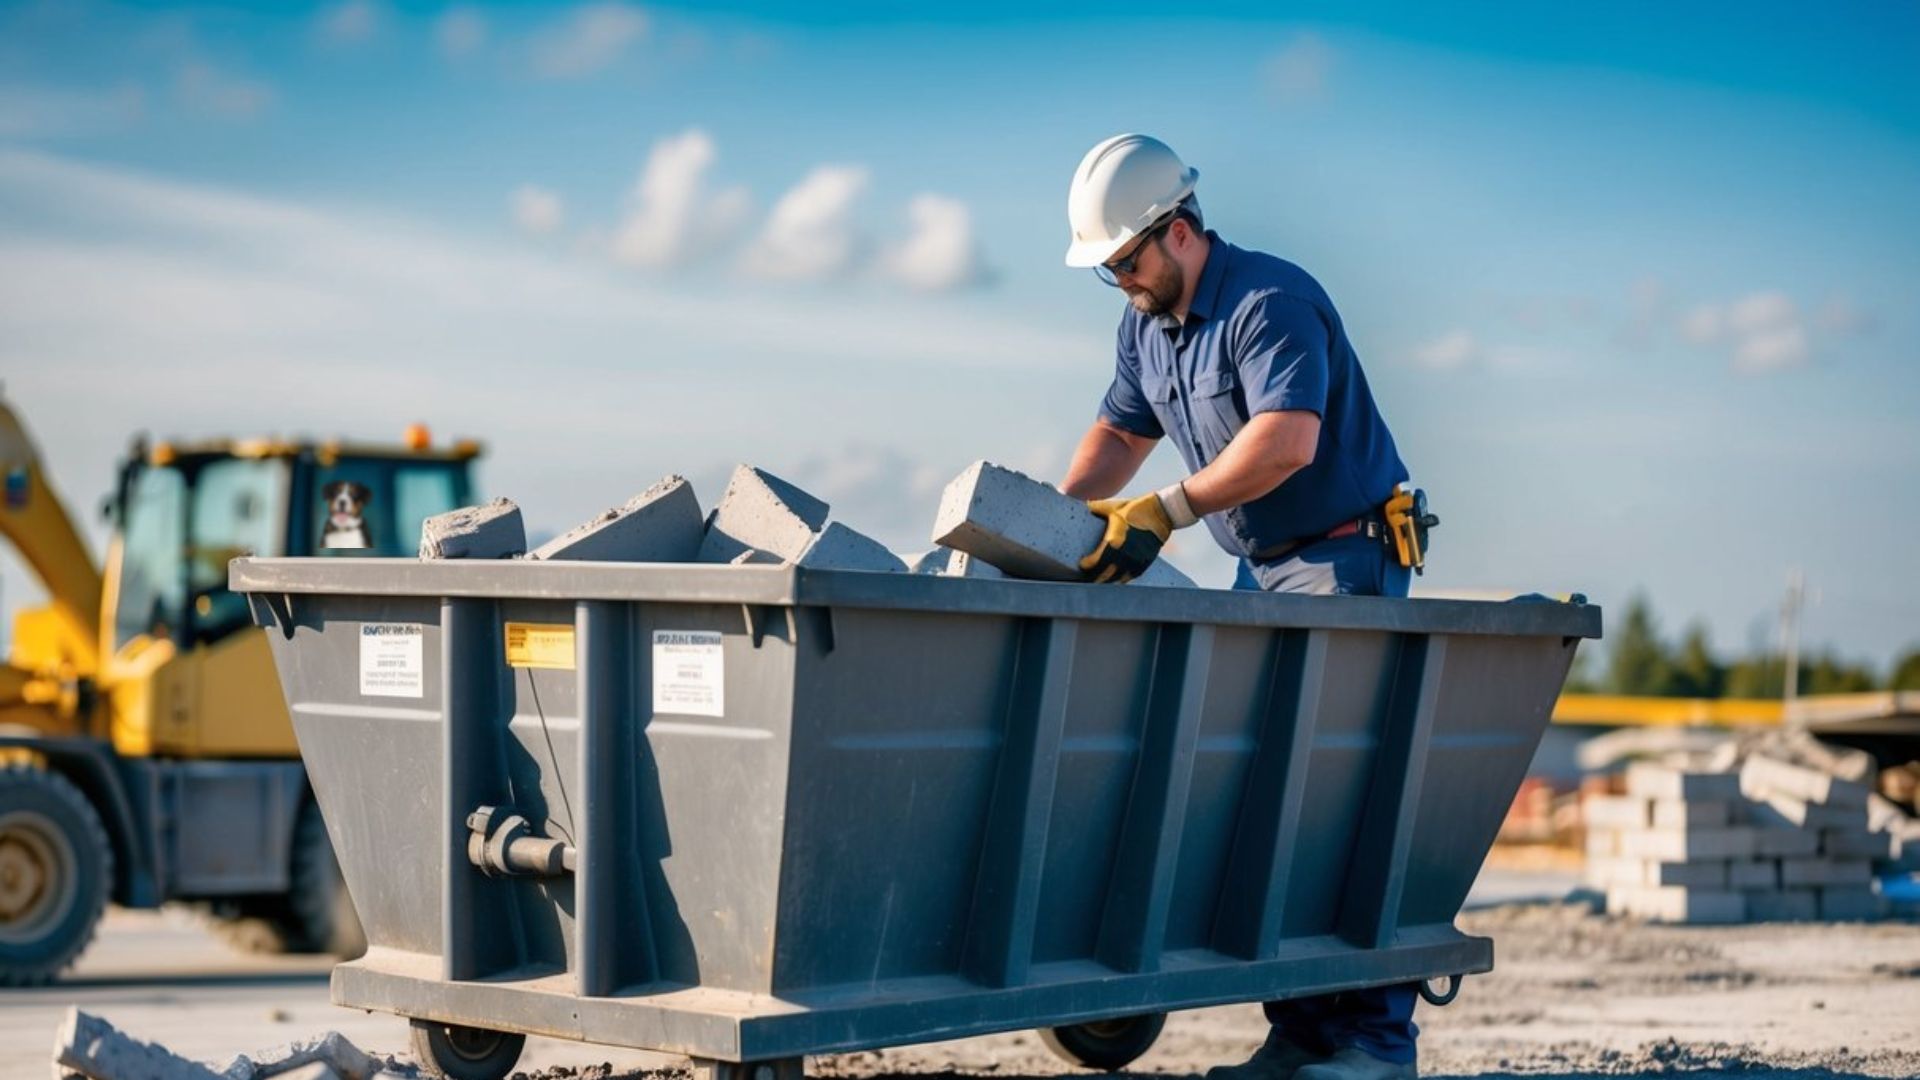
{"x": 1137, "y": 529}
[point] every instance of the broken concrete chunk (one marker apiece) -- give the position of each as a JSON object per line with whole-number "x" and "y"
{"x": 762, "y": 512}
{"x": 489, "y": 531}
{"x": 90, "y": 1046}
{"x": 1024, "y": 527}
{"x": 947, "y": 562}
{"x": 840, "y": 548}
{"x": 1164, "y": 575}
{"x": 661, "y": 524}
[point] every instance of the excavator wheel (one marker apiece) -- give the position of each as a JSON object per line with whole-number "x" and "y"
{"x": 56, "y": 873}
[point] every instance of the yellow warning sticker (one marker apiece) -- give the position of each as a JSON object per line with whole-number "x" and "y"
{"x": 540, "y": 645}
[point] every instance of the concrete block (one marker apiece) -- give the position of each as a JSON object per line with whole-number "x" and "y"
{"x": 1783, "y": 905}
{"x": 1820, "y": 871}
{"x": 1785, "y": 841}
{"x": 947, "y": 562}
{"x": 88, "y": 1045}
{"x": 1705, "y": 874}
{"x": 1024, "y": 527}
{"x": 1649, "y": 781}
{"x": 489, "y": 531}
{"x": 840, "y": 548}
{"x": 1849, "y": 903}
{"x": 1753, "y": 874}
{"x": 1852, "y": 843}
{"x": 1164, "y": 575}
{"x": 1614, "y": 812}
{"x": 1689, "y": 845}
{"x": 1603, "y": 843}
{"x": 661, "y": 524}
{"x": 1762, "y": 776}
{"x": 1883, "y": 813}
{"x": 1603, "y": 871}
{"x": 1692, "y": 813}
{"x": 1678, "y": 904}
{"x": 761, "y": 512}
{"x": 1784, "y": 811}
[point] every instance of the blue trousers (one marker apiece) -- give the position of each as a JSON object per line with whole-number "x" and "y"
{"x": 1377, "y": 1020}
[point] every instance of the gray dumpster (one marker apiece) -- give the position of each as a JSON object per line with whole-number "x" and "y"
{"x": 752, "y": 813}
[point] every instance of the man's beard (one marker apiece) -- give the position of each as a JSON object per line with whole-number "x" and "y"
{"x": 1158, "y": 298}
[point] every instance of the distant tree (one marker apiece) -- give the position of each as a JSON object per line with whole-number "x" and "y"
{"x": 1828, "y": 674}
{"x": 1637, "y": 661}
{"x": 1695, "y": 671}
{"x": 1762, "y": 676}
{"x": 1580, "y": 678}
{"x": 1906, "y": 672}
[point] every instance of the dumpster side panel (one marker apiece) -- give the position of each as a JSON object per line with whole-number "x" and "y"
{"x": 1495, "y": 701}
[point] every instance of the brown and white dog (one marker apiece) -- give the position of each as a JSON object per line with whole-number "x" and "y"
{"x": 346, "y": 516}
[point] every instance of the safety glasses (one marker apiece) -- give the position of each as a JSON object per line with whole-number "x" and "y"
{"x": 1110, "y": 272}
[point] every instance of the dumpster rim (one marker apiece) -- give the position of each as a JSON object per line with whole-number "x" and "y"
{"x": 787, "y": 586}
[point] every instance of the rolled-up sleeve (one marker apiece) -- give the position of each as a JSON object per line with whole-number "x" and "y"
{"x": 1125, "y": 406}
{"x": 1280, "y": 344}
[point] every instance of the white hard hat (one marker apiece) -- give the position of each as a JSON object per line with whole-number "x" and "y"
{"x": 1122, "y": 187}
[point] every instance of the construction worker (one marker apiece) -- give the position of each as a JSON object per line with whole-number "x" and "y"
{"x": 1240, "y": 359}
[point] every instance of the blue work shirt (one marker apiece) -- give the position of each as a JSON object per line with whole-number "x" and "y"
{"x": 1260, "y": 336}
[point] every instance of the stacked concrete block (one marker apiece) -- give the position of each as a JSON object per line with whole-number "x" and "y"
{"x": 1024, "y": 527}
{"x": 1771, "y": 841}
{"x": 661, "y": 524}
{"x": 947, "y": 562}
{"x": 764, "y": 520}
{"x": 490, "y": 531}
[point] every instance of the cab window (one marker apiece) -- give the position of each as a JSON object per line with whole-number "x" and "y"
{"x": 153, "y": 557}
{"x": 239, "y": 506}
{"x": 374, "y": 506}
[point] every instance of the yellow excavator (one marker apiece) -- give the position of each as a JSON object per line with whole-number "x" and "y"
{"x": 146, "y": 753}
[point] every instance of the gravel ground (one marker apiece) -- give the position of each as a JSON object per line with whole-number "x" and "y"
{"x": 1573, "y": 995}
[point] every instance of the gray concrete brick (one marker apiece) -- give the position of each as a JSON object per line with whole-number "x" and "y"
{"x": 762, "y": 512}
{"x": 1689, "y": 845}
{"x": 1164, "y": 575}
{"x": 661, "y": 524}
{"x": 1605, "y": 871}
{"x": 91, "y": 1046}
{"x": 950, "y": 563}
{"x": 1849, "y": 903}
{"x": 1823, "y": 871}
{"x": 1753, "y": 874}
{"x": 1024, "y": 527}
{"x": 840, "y": 548}
{"x": 490, "y": 531}
{"x": 1615, "y": 812}
{"x": 1761, "y": 777}
{"x": 1650, "y": 781}
{"x": 1679, "y": 904}
{"x": 1702, "y": 874}
{"x": 1783, "y": 905}
{"x": 1854, "y": 843}
{"x": 1784, "y": 811}
{"x": 1692, "y": 813}
{"x": 1784, "y": 840}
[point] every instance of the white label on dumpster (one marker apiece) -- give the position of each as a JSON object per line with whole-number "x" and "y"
{"x": 390, "y": 659}
{"x": 689, "y": 673}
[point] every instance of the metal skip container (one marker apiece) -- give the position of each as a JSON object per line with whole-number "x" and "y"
{"x": 752, "y": 813}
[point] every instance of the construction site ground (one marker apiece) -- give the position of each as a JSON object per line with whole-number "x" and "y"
{"x": 1574, "y": 995}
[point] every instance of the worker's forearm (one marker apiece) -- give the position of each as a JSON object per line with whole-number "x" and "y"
{"x": 1104, "y": 462}
{"x": 1266, "y": 452}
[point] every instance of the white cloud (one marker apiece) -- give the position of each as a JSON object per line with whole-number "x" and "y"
{"x": 28, "y": 111}
{"x": 350, "y": 22}
{"x": 670, "y": 219}
{"x": 939, "y": 253}
{"x": 810, "y": 235}
{"x": 1772, "y": 349}
{"x": 588, "y": 40}
{"x": 1449, "y": 352}
{"x": 1704, "y": 325}
{"x": 537, "y": 211}
{"x": 1299, "y": 71}
{"x": 460, "y": 31}
{"x": 208, "y": 89}
{"x": 1759, "y": 333}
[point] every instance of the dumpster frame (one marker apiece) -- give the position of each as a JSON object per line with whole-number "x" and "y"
{"x": 1001, "y": 988}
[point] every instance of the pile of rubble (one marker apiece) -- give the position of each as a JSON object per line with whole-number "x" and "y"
{"x": 993, "y": 522}
{"x": 1765, "y": 828}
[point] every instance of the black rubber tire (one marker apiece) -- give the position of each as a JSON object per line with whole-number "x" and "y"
{"x": 324, "y": 919}
{"x": 49, "y": 829}
{"x": 458, "y": 1052}
{"x": 1107, "y": 1045}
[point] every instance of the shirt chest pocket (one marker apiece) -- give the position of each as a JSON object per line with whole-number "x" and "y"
{"x": 1216, "y": 410}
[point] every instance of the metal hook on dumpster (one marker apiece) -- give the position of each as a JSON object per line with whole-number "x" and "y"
{"x": 1435, "y": 997}
{"x": 503, "y": 844}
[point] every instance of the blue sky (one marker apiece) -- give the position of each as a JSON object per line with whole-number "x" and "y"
{"x": 1635, "y": 286}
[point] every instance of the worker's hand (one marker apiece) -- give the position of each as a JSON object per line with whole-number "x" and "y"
{"x": 1136, "y": 531}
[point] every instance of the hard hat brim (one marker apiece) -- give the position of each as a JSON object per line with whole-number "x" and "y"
{"x": 1087, "y": 254}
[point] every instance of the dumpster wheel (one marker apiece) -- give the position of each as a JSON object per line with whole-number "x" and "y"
{"x": 458, "y": 1052}
{"x": 1108, "y": 1045}
{"x": 1437, "y": 997}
